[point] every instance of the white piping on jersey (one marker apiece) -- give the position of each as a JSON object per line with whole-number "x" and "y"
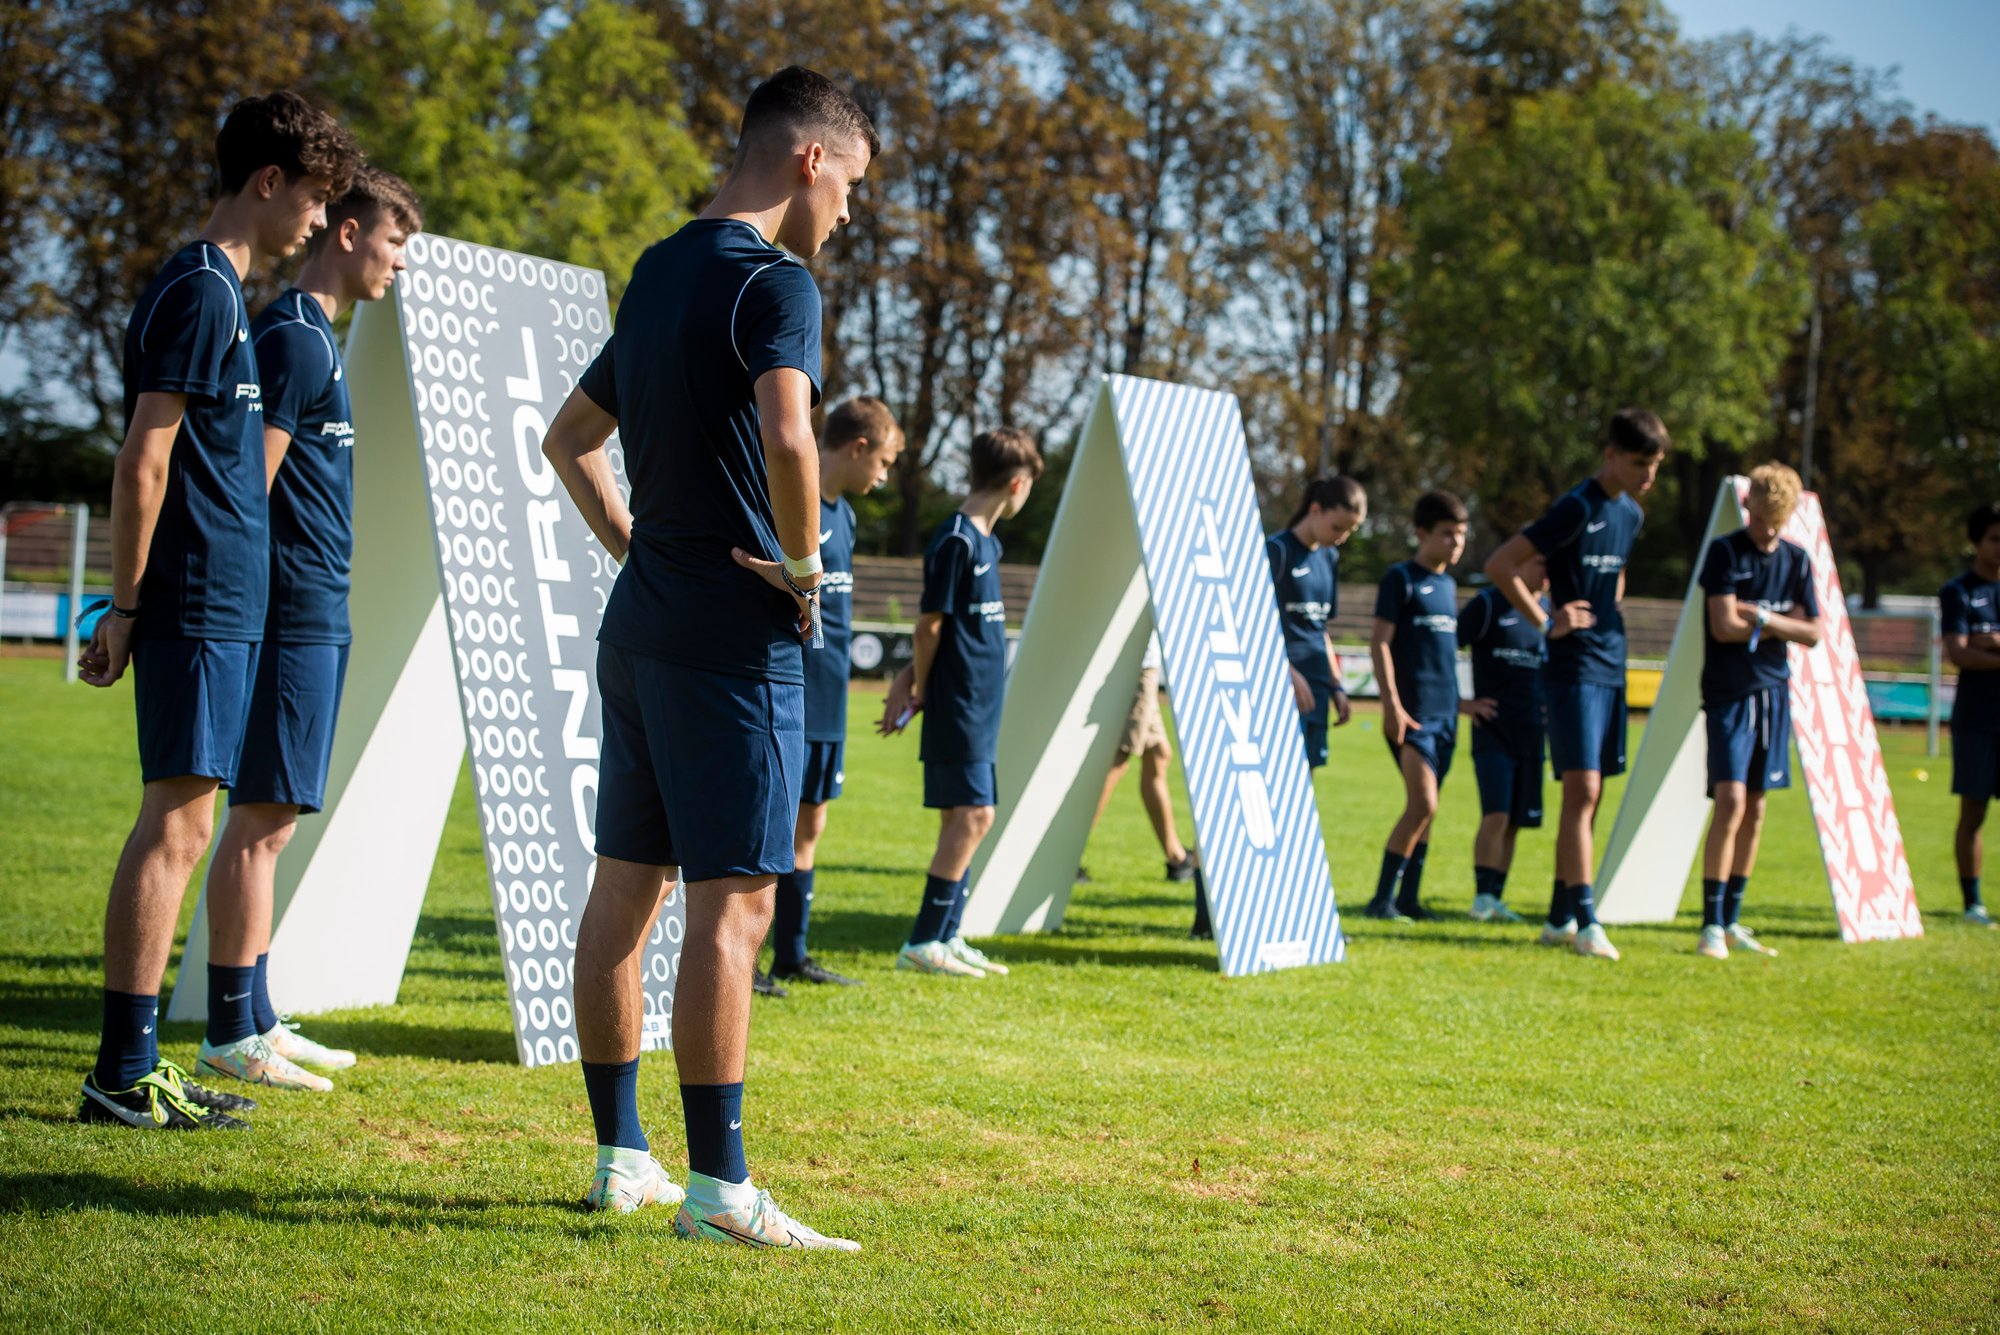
{"x": 957, "y": 532}
{"x": 734, "y": 346}
{"x": 206, "y": 267}
{"x": 298, "y": 316}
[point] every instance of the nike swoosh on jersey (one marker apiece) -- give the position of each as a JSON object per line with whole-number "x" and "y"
{"x": 980, "y": 570}
{"x": 1424, "y": 589}
{"x": 234, "y": 997}
{"x": 1302, "y": 572}
{"x": 826, "y": 536}
{"x": 1592, "y": 528}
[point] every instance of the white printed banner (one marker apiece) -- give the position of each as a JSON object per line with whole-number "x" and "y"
{"x": 1665, "y": 810}
{"x": 1159, "y": 524}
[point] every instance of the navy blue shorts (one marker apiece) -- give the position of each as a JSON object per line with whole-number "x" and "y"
{"x": 1435, "y": 741}
{"x": 1586, "y": 727}
{"x": 1509, "y": 785}
{"x": 1315, "y": 723}
{"x": 959, "y": 783}
{"x": 289, "y": 741}
{"x": 824, "y": 772}
{"x": 1975, "y": 764}
{"x": 1750, "y": 741}
{"x": 700, "y": 770}
{"x": 193, "y": 702}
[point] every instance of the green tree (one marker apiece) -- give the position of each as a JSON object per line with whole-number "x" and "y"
{"x": 1596, "y": 250}
{"x": 554, "y": 130}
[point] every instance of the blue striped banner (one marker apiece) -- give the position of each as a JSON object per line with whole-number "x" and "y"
{"x": 1262, "y": 853}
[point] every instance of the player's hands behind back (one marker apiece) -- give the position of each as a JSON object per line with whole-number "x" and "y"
{"x": 773, "y": 574}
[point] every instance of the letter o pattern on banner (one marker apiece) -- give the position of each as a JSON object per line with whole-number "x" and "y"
{"x": 495, "y": 343}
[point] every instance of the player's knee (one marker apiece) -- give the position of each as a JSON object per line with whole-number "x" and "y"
{"x": 978, "y": 821}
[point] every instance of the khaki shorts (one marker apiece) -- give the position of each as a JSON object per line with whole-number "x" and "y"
{"x": 1143, "y": 729}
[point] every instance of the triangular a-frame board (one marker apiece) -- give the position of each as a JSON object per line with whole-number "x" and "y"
{"x": 1665, "y": 810}
{"x": 1158, "y": 525}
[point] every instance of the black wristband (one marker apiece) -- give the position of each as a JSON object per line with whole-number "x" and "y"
{"x": 125, "y": 613}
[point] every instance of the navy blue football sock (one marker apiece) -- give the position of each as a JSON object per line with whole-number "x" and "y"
{"x": 940, "y": 898}
{"x": 714, "y": 1116}
{"x": 1732, "y": 899}
{"x": 262, "y": 1013}
{"x": 1711, "y": 903}
{"x": 791, "y": 917}
{"x": 1385, "y": 882}
{"x": 1583, "y": 903}
{"x": 960, "y": 892}
{"x": 1484, "y": 879}
{"x": 1413, "y": 877}
{"x": 1559, "y": 909}
{"x": 613, "y": 1090}
{"x": 1969, "y": 887}
{"x": 229, "y": 1011}
{"x": 127, "y": 1050}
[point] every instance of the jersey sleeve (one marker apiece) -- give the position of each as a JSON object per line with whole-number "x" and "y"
{"x": 777, "y": 323}
{"x": 1806, "y": 597}
{"x": 1333, "y": 591}
{"x": 1954, "y": 617}
{"x": 187, "y": 337}
{"x": 1560, "y": 526}
{"x": 599, "y": 381}
{"x": 1716, "y": 574}
{"x": 294, "y": 367}
{"x": 1393, "y": 595}
{"x": 947, "y": 572}
{"x": 1274, "y": 554}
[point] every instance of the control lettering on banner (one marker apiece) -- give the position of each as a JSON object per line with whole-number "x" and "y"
{"x": 496, "y": 341}
{"x": 1842, "y": 758}
{"x": 1188, "y": 466}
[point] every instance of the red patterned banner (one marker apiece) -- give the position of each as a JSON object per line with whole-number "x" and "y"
{"x": 1841, "y": 758}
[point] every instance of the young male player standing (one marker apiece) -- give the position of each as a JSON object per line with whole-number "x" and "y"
{"x": 857, "y": 449}
{"x": 1415, "y": 648}
{"x": 1760, "y": 600}
{"x": 1970, "y": 610}
{"x": 1508, "y": 652}
{"x": 957, "y": 678}
{"x": 1586, "y": 536}
{"x": 309, "y": 458}
{"x": 710, "y": 377}
{"x": 191, "y": 562}
{"x": 1305, "y": 565}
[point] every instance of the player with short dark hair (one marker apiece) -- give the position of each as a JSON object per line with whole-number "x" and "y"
{"x": 190, "y": 576}
{"x": 295, "y": 696}
{"x": 1969, "y": 609}
{"x": 957, "y": 679}
{"x": 857, "y": 449}
{"x": 1760, "y": 600}
{"x": 1305, "y": 572}
{"x": 710, "y": 377}
{"x": 1508, "y": 652}
{"x": 1586, "y": 538}
{"x": 1415, "y": 648}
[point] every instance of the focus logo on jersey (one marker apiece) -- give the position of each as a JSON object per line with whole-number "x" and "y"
{"x": 1523, "y": 658}
{"x": 993, "y": 611}
{"x": 341, "y": 433}
{"x": 249, "y": 391}
{"x": 1436, "y": 622}
{"x": 1317, "y": 612}
{"x": 839, "y": 582}
{"x": 1602, "y": 561}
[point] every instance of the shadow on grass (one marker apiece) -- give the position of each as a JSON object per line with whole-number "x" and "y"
{"x": 1066, "y": 949}
{"x": 65, "y": 1193}
{"x": 398, "y": 1038}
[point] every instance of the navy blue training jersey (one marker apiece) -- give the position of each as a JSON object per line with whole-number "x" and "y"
{"x": 1308, "y": 587}
{"x": 1507, "y": 658}
{"x": 1970, "y": 605}
{"x": 208, "y": 571}
{"x": 1423, "y": 607}
{"x": 1778, "y": 581}
{"x": 827, "y": 667}
{"x": 708, "y": 311}
{"x": 1587, "y": 536}
{"x": 969, "y": 675}
{"x": 312, "y": 497}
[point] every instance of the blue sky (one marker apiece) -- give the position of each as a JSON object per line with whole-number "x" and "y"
{"x": 1945, "y": 49}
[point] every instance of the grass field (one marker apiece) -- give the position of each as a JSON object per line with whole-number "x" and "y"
{"x": 1454, "y": 1129}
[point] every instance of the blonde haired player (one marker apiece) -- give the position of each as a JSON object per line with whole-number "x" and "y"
{"x": 1760, "y": 601}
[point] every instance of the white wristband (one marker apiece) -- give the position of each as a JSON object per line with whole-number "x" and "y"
{"x": 811, "y": 565}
